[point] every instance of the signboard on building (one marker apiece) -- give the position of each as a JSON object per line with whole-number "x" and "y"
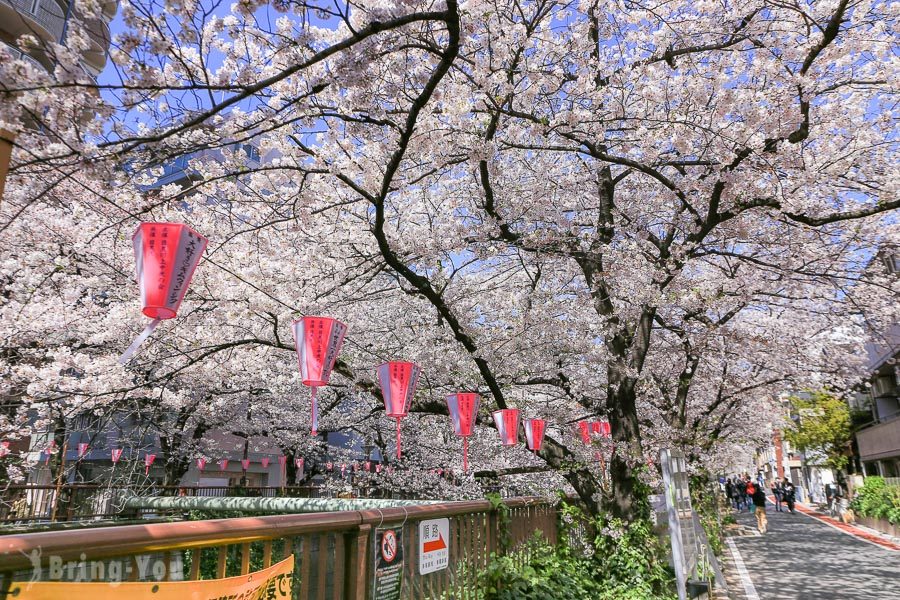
{"x": 388, "y": 556}
{"x": 434, "y": 545}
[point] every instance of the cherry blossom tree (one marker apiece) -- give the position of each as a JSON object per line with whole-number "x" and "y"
{"x": 658, "y": 214}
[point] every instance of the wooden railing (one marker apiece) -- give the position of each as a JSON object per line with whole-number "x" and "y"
{"x": 81, "y": 502}
{"x": 332, "y": 551}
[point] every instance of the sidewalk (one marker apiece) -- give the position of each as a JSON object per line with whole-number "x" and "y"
{"x": 863, "y": 533}
{"x": 807, "y": 556}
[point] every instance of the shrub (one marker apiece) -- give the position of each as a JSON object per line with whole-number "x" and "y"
{"x": 598, "y": 558}
{"x": 548, "y": 573}
{"x": 876, "y": 499}
{"x": 630, "y": 562}
{"x": 709, "y": 505}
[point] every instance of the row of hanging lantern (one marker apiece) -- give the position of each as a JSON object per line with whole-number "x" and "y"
{"x": 166, "y": 255}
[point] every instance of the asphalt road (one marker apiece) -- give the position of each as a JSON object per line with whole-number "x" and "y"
{"x": 801, "y": 558}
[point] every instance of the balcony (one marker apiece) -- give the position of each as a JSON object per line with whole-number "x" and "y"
{"x": 880, "y": 440}
{"x": 46, "y": 17}
{"x": 18, "y": 54}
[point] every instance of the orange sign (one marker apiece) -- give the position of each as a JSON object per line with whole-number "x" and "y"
{"x": 273, "y": 583}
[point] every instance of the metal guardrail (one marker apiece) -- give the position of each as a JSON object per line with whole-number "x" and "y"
{"x": 332, "y": 551}
{"x": 81, "y": 502}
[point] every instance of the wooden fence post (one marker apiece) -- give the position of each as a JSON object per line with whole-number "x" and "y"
{"x": 492, "y": 532}
{"x": 356, "y": 563}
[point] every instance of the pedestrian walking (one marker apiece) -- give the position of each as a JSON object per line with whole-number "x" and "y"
{"x": 729, "y": 491}
{"x": 789, "y": 492}
{"x": 830, "y": 499}
{"x": 751, "y": 490}
{"x": 777, "y": 492}
{"x": 740, "y": 491}
{"x": 759, "y": 503}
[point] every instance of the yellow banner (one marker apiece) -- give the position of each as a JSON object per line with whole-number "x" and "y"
{"x": 273, "y": 583}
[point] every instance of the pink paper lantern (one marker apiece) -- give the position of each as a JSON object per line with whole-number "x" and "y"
{"x": 201, "y": 463}
{"x": 368, "y": 465}
{"x": 4, "y": 449}
{"x": 507, "y": 422}
{"x": 82, "y": 449}
{"x": 282, "y": 469}
{"x": 329, "y": 466}
{"x": 265, "y": 462}
{"x": 463, "y": 409}
{"x": 343, "y": 469}
{"x": 378, "y": 467}
{"x": 604, "y": 428}
{"x": 298, "y": 463}
{"x": 223, "y": 464}
{"x": 148, "y": 461}
{"x": 245, "y": 464}
{"x": 115, "y": 454}
{"x": 318, "y": 341}
{"x": 584, "y": 428}
{"x": 166, "y": 255}
{"x": 398, "y": 386}
{"x": 534, "y": 433}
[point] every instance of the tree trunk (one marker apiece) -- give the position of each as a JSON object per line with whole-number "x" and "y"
{"x": 581, "y": 479}
{"x": 623, "y": 420}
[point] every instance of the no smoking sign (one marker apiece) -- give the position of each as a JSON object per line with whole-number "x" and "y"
{"x": 388, "y": 557}
{"x": 389, "y": 546}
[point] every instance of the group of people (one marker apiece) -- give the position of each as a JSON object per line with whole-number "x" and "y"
{"x": 785, "y": 493}
{"x": 743, "y": 493}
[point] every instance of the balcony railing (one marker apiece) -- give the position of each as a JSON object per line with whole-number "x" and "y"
{"x": 18, "y": 54}
{"x": 881, "y": 439}
{"x": 49, "y": 15}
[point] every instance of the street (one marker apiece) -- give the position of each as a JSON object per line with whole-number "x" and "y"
{"x": 800, "y": 558}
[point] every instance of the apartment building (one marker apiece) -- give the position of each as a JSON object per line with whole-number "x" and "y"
{"x": 47, "y": 21}
{"x": 879, "y": 441}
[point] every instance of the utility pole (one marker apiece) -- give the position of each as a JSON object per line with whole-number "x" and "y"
{"x": 60, "y": 473}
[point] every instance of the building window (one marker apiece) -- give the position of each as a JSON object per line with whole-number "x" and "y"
{"x": 251, "y": 151}
{"x": 884, "y": 385}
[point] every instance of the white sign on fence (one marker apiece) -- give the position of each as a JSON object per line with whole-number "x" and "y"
{"x": 434, "y": 545}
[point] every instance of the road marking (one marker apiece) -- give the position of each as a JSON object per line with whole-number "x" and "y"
{"x": 749, "y": 589}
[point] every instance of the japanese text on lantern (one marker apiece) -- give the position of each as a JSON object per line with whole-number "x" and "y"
{"x": 185, "y": 266}
{"x": 334, "y": 344}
